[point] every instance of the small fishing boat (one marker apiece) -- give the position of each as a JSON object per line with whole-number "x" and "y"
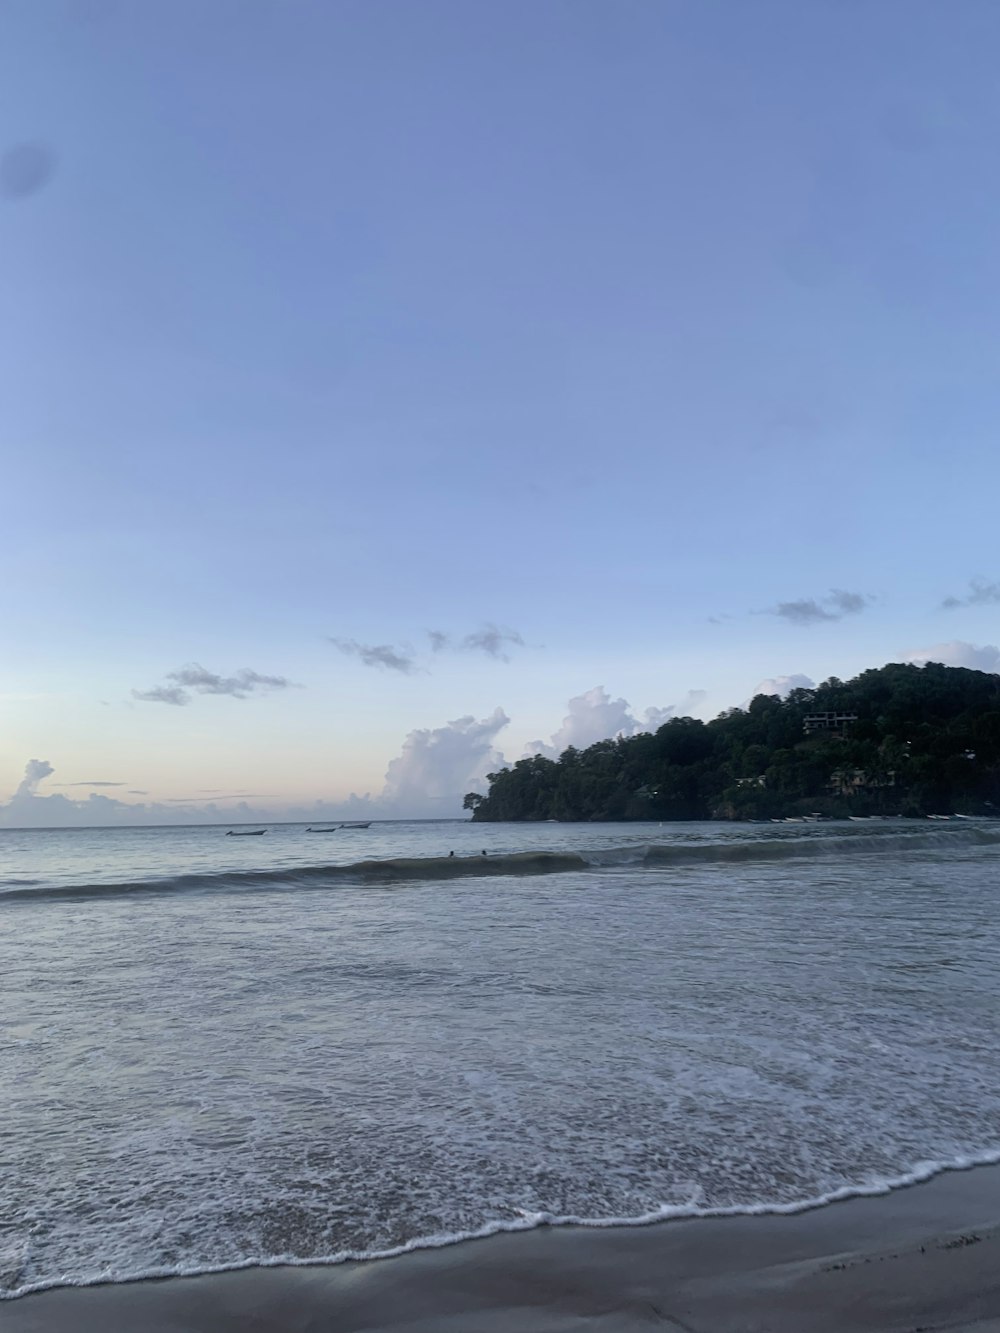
{"x": 335, "y": 829}
{"x": 368, "y": 825}
{"x": 246, "y": 833}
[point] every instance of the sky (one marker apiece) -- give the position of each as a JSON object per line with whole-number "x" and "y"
{"x": 392, "y": 389}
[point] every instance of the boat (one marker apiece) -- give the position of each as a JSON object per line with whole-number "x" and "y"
{"x": 368, "y": 825}
{"x": 246, "y": 833}
{"x": 335, "y": 829}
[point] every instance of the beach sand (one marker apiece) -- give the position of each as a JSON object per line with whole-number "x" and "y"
{"x": 924, "y": 1258}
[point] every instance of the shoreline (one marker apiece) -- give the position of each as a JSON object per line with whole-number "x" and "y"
{"x": 924, "y": 1256}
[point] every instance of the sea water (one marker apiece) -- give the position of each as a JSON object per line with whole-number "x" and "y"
{"x": 219, "y": 1051}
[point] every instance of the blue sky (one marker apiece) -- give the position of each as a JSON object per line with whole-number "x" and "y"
{"x": 615, "y": 325}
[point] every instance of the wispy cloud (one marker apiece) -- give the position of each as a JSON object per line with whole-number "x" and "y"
{"x": 220, "y": 796}
{"x": 89, "y": 784}
{"x": 848, "y": 603}
{"x": 811, "y": 611}
{"x": 379, "y": 655}
{"x": 981, "y": 593}
{"x": 493, "y": 640}
{"x": 805, "y": 611}
{"x": 238, "y": 686}
{"x": 196, "y": 679}
{"x": 163, "y": 694}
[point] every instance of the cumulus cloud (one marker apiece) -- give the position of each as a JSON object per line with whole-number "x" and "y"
{"x": 378, "y": 655}
{"x": 981, "y": 593}
{"x": 654, "y": 718}
{"x": 957, "y": 653}
{"x": 782, "y": 686}
{"x": 493, "y": 640}
{"x": 438, "y": 766}
{"x": 435, "y": 768}
{"x": 35, "y": 771}
{"x": 594, "y": 716}
{"x": 810, "y": 611}
{"x": 197, "y": 679}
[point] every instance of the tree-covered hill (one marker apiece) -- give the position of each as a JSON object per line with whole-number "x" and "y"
{"x": 926, "y": 740}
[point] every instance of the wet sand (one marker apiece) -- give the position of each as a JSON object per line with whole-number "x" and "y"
{"x": 925, "y": 1258}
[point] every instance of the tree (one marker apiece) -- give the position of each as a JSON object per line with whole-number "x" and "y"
{"x": 926, "y": 741}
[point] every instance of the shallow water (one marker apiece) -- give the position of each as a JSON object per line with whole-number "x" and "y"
{"x": 219, "y": 1051}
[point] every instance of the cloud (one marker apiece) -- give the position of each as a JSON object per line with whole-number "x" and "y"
{"x": 957, "y": 653}
{"x": 981, "y": 593}
{"x": 782, "y": 686}
{"x": 654, "y": 718}
{"x": 90, "y": 784}
{"x": 848, "y": 603}
{"x": 379, "y": 655}
{"x": 35, "y": 771}
{"x": 238, "y": 686}
{"x": 594, "y": 716}
{"x": 438, "y": 766}
{"x": 220, "y": 796}
{"x": 492, "y": 640}
{"x": 803, "y": 612}
{"x": 808, "y": 611}
{"x": 163, "y": 694}
{"x": 198, "y": 679}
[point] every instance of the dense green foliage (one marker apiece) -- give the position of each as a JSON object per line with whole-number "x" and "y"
{"x": 926, "y": 741}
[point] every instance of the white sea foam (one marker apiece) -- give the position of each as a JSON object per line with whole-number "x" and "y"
{"x": 920, "y": 1174}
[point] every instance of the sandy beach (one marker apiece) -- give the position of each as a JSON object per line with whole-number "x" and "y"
{"x": 924, "y": 1258}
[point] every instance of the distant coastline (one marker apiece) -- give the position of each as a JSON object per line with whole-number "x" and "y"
{"x": 901, "y": 740}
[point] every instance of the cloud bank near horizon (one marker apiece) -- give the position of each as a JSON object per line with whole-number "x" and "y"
{"x": 428, "y": 778}
{"x": 436, "y": 766}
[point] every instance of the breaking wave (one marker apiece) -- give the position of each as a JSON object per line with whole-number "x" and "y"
{"x": 812, "y": 845}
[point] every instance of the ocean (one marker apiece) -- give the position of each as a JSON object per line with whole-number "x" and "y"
{"x": 218, "y": 1052}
